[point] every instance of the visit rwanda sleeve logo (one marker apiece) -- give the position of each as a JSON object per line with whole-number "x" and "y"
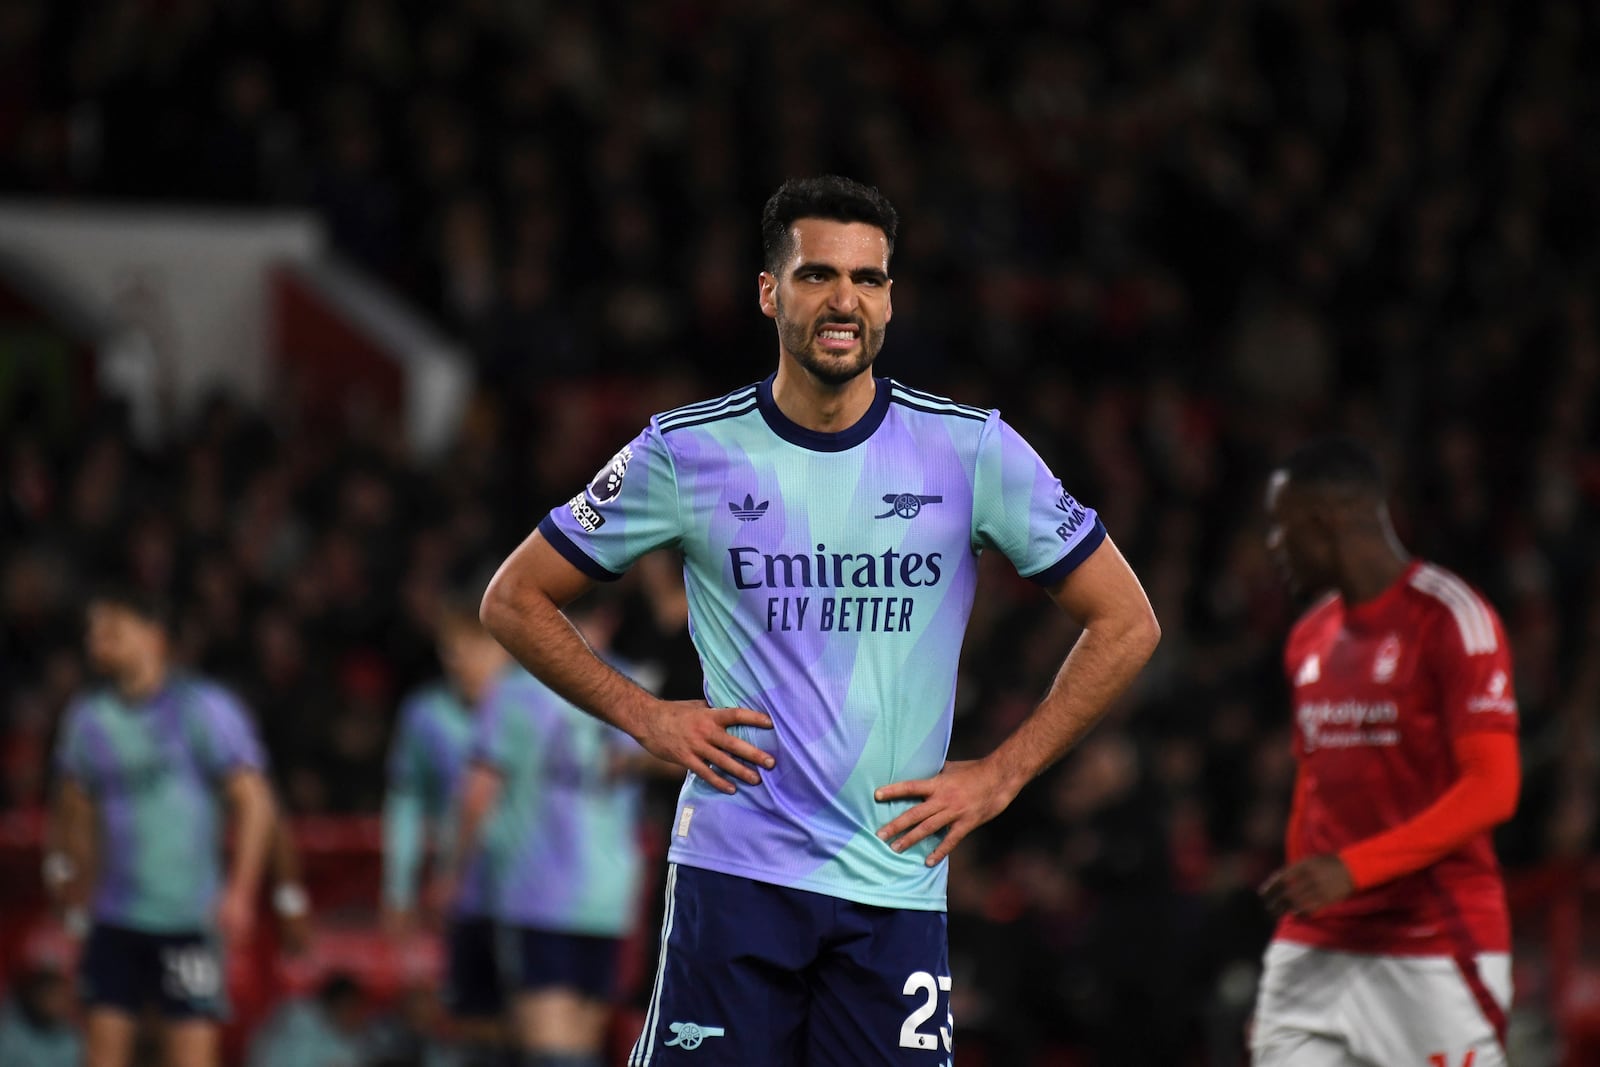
{"x": 1075, "y": 512}
{"x": 751, "y": 511}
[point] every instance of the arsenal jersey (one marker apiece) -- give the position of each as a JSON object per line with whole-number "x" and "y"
{"x": 1381, "y": 690}
{"x": 830, "y": 578}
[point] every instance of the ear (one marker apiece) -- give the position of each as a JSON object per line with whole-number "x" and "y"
{"x": 767, "y": 294}
{"x": 888, "y": 301}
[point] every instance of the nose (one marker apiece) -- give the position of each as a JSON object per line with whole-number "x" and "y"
{"x": 843, "y": 296}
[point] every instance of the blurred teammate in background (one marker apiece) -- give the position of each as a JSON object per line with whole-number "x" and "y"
{"x": 426, "y": 764}
{"x": 137, "y": 835}
{"x": 830, "y": 523}
{"x": 1394, "y": 943}
{"x": 553, "y": 795}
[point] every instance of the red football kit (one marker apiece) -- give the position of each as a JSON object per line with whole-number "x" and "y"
{"x": 1405, "y": 737}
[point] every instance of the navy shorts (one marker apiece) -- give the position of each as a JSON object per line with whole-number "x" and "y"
{"x": 472, "y": 987}
{"x": 127, "y": 969}
{"x": 752, "y": 973}
{"x": 543, "y": 959}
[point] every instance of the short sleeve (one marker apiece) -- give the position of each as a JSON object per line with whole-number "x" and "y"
{"x": 405, "y": 751}
{"x": 72, "y": 749}
{"x": 227, "y": 739}
{"x": 629, "y": 508}
{"x": 1022, "y": 509}
{"x": 1473, "y": 666}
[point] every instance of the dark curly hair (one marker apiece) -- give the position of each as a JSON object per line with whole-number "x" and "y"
{"x": 825, "y": 197}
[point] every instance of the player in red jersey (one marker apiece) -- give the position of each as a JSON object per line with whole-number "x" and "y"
{"x": 1393, "y": 946}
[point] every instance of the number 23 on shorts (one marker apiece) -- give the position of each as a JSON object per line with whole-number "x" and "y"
{"x": 925, "y": 985}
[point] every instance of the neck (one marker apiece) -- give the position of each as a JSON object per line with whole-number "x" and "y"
{"x": 817, "y": 405}
{"x": 142, "y": 682}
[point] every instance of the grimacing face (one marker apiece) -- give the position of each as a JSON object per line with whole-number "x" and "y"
{"x": 119, "y": 639}
{"x": 1296, "y": 541}
{"x": 831, "y": 297}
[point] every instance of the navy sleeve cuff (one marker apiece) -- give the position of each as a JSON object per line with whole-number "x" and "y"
{"x": 1069, "y": 563}
{"x": 573, "y": 554}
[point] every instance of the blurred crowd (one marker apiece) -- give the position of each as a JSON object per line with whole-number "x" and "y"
{"x": 1168, "y": 239}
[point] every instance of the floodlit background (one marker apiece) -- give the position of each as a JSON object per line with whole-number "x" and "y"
{"x": 309, "y": 309}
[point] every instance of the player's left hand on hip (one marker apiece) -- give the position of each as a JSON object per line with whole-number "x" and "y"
{"x": 1308, "y": 886}
{"x": 961, "y": 798}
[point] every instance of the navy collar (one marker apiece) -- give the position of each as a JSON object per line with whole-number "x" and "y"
{"x": 817, "y": 440}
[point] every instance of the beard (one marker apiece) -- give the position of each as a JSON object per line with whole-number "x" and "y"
{"x": 800, "y": 341}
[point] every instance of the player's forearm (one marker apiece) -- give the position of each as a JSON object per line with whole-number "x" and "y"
{"x": 1102, "y": 664}
{"x": 478, "y": 797}
{"x": 252, "y": 812}
{"x": 69, "y": 844}
{"x": 534, "y": 630}
{"x": 1484, "y": 796}
{"x": 285, "y": 857}
{"x": 402, "y": 847}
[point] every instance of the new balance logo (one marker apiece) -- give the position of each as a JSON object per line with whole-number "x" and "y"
{"x": 906, "y": 505}
{"x": 1310, "y": 670}
{"x": 751, "y": 511}
{"x": 688, "y": 1036}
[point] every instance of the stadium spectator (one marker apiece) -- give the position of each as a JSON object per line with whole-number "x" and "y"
{"x": 37, "y": 1028}
{"x": 325, "y": 1030}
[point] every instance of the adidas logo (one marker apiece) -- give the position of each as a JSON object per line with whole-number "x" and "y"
{"x": 751, "y": 511}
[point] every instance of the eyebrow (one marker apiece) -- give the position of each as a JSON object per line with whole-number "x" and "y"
{"x": 859, "y": 274}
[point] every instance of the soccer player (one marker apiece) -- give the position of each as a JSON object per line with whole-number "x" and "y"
{"x": 1394, "y": 941}
{"x": 554, "y": 796}
{"x": 142, "y": 764}
{"x": 830, "y": 523}
{"x": 426, "y": 762}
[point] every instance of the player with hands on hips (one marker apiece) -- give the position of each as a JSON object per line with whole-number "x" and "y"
{"x": 805, "y": 906}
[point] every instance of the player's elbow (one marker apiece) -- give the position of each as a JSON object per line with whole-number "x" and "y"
{"x": 1492, "y": 768}
{"x": 496, "y": 608}
{"x": 1501, "y": 797}
{"x": 1142, "y": 634}
{"x": 248, "y": 792}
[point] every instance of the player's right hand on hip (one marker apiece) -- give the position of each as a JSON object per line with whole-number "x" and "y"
{"x": 696, "y": 736}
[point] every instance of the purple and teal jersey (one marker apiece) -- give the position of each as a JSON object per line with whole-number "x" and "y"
{"x": 830, "y": 577}
{"x": 563, "y": 846}
{"x": 156, "y": 771}
{"x": 426, "y": 762}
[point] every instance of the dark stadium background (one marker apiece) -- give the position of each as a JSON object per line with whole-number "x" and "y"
{"x": 1168, "y": 239}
